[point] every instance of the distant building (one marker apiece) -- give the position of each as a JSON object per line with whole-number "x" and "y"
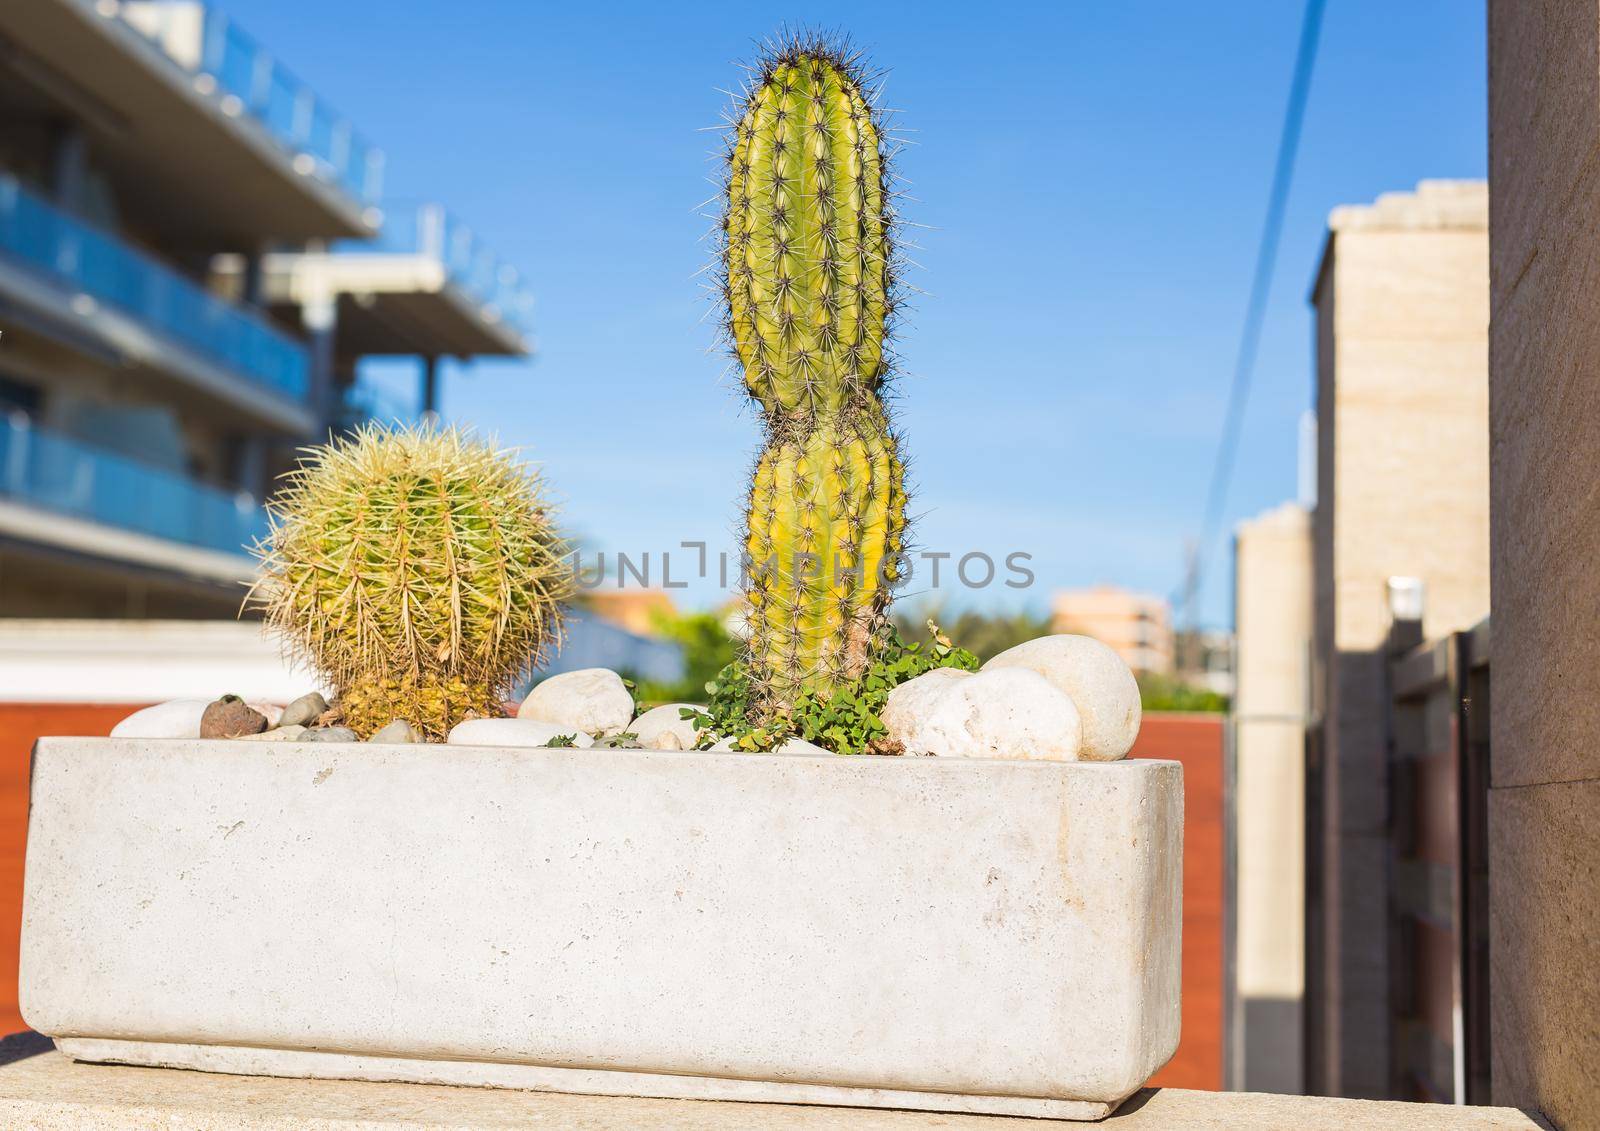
{"x": 594, "y": 643}
{"x": 637, "y": 610}
{"x": 1138, "y": 626}
{"x": 1204, "y": 659}
{"x": 1402, "y": 320}
{"x": 1266, "y": 898}
{"x": 192, "y": 262}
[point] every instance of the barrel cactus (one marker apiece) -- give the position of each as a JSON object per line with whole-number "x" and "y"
{"x": 418, "y": 570}
{"x": 807, "y": 265}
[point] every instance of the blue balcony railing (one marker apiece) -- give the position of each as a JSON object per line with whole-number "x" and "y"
{"x": 259, "y": 85}
{"x": 46, "y": 469}
{"x": 431, "y": 231}
{"x": 73, "y": 254}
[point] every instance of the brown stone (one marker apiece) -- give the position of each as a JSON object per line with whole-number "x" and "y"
{"x": 231, "y": 717}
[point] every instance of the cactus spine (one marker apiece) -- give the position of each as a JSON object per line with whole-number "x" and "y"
{"x": 807, "y": 265}
{"x": 420, "y": 571}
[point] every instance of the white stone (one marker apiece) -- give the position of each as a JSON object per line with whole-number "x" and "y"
{"x": 272, "y": 712}
{"x": 512, "y": 732}
{"x": 594, "y": 700}
{"x": 329, "y": 734}
{"x": 1100, "y": 684}
{"x": 1010, "y": 713}
{"x": 910, "y": 704}
{"x": 398, "y": 731}
{"x": 294, "y": 732}
{"x": 655, "y": 924}
{"x": 176, "y": 718}
{"x": 662, "y": 725}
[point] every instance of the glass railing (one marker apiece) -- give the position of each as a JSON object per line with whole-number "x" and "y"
{"x": 49, "y": 470}
{"x": 262, "y": 87}
{"x": 364, "y": 404}
{"x": 429, "y": 230}
{"x": 109, "y": 271}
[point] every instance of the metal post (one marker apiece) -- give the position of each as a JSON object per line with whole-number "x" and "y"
{"x": 69, "y": 172}
{"x": 251, "y": 464}
{"x": 253, "y": 287}
{"x": 1406, "y": 598}
{"x": 17, "y": 453}
{"x": 320, "y": 314}
{"x": 430, "y": 389}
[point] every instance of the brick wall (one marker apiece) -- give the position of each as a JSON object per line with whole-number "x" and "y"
{"x": 20, "y": 724}
{"x": 1196, "y": 741}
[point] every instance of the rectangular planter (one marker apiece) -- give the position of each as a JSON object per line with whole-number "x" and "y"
{"x": 941, "y": 934}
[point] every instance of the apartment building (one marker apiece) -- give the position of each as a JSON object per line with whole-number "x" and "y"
{"x": 1402, "y": 507}
{"x": 1138, "y": 626}
{"x": 194, "y": 257}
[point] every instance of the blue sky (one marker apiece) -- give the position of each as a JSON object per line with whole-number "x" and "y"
{"x": 1094, "y": 176}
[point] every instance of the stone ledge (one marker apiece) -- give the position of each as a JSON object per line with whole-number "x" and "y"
{"x": 43, "y": 1090}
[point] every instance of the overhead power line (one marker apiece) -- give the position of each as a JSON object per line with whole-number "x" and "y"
{"x": 1255, "y": 310}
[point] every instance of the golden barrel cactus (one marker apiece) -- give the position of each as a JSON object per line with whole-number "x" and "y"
{"x": 419, "y": 570}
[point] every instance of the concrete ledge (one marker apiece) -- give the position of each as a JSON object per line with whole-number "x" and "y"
{"x": 43, "y": 1090}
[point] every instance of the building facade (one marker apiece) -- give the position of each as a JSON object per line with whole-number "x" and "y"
{"x": 193, "y": 258}
{"x": 1138, "y": 626}
{"x": 1401, "y": 302}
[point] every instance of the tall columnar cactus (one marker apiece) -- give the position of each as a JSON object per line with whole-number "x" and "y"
{"x": 419, "y": 570}
{"x": 807, "y": 266}
{"x": 808, "y": 235}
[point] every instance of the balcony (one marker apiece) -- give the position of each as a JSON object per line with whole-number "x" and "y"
{"x": 428, "y": 286}
{"x": 207, "y": 140}
{"x": 56, "y": 473}
{"x": 94, "y": 284}
{"x": 493, "y": 285}
{"x": 229, "y": 64}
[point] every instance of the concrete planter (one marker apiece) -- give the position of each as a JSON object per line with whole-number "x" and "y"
{"x": 943, "y": 934}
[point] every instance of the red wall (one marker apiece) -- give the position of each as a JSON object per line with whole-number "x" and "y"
{"x": 20, "y": 724}
{"x": 1196, "y": 741}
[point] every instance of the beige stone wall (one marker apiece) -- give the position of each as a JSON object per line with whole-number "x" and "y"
{"x": 1544, "y": 805}
{"x": 1402, "y": 409}
{"x": 1272, "y": 603}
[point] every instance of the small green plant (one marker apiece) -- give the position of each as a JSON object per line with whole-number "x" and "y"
{"x": 987, "y": 634}
{"x": 707, "y": 646}
{"x": 562, "y": 741}
{"x": 1165, "y": 693}
{"x": 419, "y": 570}
{"x": 846, "y": 718}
